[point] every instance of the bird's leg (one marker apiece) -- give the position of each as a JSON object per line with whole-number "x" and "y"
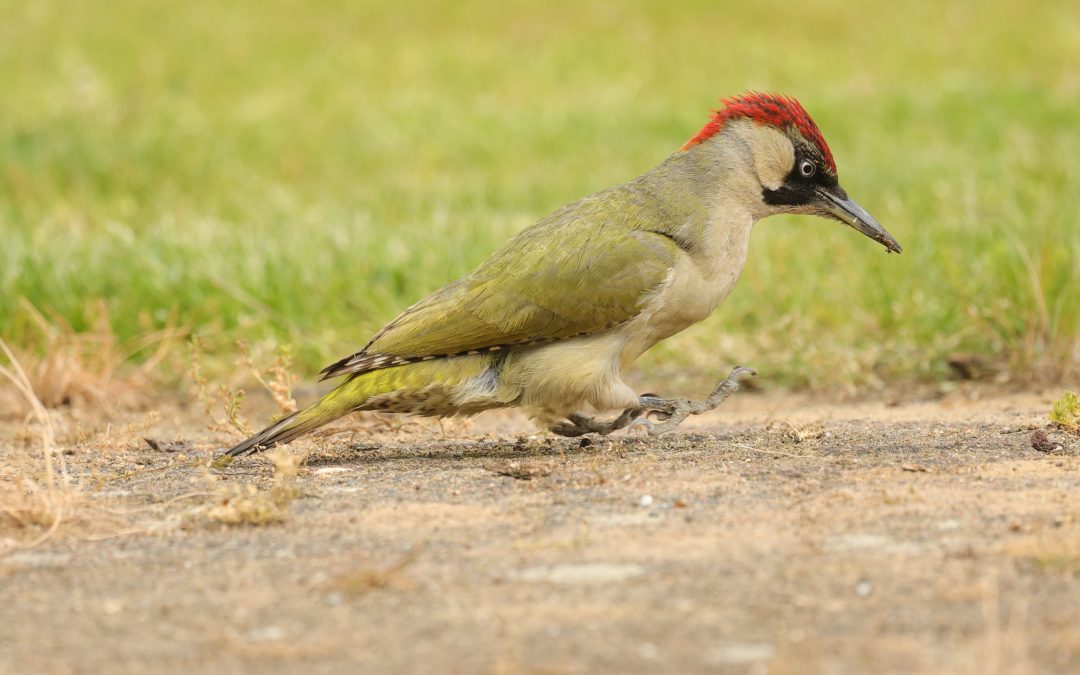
{"x": 671, "y": 411}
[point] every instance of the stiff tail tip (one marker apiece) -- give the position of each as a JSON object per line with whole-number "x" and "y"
{"x": 346, "y": 398}
{"x": 284, "y": 430}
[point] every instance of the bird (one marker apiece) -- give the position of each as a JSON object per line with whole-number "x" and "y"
{"x": 550, "y": 321}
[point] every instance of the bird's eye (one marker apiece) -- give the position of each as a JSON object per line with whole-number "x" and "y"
{"x": 807, "y": 168}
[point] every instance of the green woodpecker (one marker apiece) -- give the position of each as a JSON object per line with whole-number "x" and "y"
{"x": 550, "y": 321}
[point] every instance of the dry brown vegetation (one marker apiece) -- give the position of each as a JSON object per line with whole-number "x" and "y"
{"x": 67, "y": 383}
{"x": 42, "y": 498}
{"x": 74, "y": 385}
{"x": 66, "y": 367}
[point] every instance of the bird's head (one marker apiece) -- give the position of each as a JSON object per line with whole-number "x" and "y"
{"x": 791, "y": 161}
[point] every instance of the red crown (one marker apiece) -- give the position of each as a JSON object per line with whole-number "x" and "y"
{"x": 772, "y": 109}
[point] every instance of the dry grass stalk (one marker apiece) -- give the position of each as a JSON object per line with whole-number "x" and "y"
{"x": 230, "y": 401}
{"x": 63, "y": 366}
{"x": 224, "y": 405}
{"x": 278, "y": 379}
{"x": 44, "y": 501}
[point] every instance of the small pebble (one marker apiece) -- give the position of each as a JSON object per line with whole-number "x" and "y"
{"x": 646, "y": 500}
{"x": 112, "y": 606}
{"x": 330, "y": 470}
{"x": 1041, "y": 442}
{"x": 266, "y": 634}
{"x": 584, "y": 573}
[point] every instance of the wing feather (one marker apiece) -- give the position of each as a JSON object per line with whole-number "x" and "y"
{"x": 579, "y": 271}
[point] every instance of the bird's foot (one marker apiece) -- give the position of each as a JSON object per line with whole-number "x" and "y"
{"x": 579, "y": 425}
{"x": 669, "y": 413}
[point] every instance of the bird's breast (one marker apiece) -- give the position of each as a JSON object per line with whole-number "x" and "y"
{"x": 696, "y": 285}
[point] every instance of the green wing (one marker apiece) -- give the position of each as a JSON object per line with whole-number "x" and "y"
{"x": 583, "y": 269}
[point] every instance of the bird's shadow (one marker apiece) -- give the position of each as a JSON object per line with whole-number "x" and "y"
{"x": 463, "y": 449}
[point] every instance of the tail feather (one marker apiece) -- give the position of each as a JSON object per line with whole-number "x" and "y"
{"x": 356, "y": 391}
{"x": 281, "y": 431}
{"x": 325, "y": 410}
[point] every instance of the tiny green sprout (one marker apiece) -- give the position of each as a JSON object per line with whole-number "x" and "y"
{"x": 1066, "y": 411}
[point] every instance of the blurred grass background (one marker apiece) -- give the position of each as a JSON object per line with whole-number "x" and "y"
{"x": 297, "y": 172}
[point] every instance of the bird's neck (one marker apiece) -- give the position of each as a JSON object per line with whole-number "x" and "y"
{"x": 714, "y": 196}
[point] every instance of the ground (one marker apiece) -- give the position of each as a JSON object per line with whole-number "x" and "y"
{"x": 780, "y": 534}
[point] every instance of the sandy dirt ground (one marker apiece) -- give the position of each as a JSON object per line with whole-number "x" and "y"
{"x": 781, "y": 534}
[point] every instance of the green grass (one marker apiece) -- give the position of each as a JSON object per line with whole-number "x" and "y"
{"x": 299, "y": 171}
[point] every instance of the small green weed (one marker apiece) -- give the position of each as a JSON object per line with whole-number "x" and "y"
{"x": 1066, "y": 411}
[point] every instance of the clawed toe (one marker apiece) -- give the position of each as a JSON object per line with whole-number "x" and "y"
{"x": 567, "y": 429}
{"x": 738, "y": 372}
{"x": 579, "y": 425}
{"x": 671, "y": 412}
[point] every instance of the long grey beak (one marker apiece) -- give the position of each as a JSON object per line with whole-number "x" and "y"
{"x": 840, "y": 206}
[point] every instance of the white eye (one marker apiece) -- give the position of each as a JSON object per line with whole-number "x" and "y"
{"x": 807, "y": 168}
